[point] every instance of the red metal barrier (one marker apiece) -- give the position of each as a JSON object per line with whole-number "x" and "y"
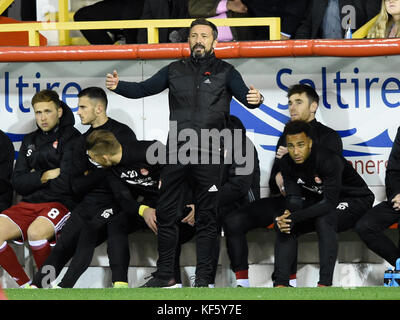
{"x": 245, "y": 49}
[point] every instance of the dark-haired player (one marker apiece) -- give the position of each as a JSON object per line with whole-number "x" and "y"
{"x": 320, "y": 185}
{"x": 303, "y": 104}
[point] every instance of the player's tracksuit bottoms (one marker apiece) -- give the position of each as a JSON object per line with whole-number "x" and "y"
{"x": 343, "y": 218}
{"x": 206, "y": 181}
{"x": 371, "y": 229}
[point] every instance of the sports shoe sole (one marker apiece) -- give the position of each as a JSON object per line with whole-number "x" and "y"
{"x": 175, "y": 286}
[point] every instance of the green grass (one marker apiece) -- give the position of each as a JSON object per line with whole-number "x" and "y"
{"x": 335, "y": 293}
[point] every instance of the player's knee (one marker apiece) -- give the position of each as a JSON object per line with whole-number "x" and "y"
{"x": 39, "y": 232}
{"x": 326, "y": 223}
{"x": 3, "y": 234}
{"x": 33, "y": 234}
{"x": 8, "y": 230}
{"x": 234, "y": 224}
{"x": 361, "y": 228}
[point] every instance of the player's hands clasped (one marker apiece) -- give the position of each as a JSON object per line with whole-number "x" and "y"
{"x": 283, "y": 222}
{"x": 396, "y": 202}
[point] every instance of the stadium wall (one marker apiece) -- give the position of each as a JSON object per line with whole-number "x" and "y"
{"x": 356, "y": 80}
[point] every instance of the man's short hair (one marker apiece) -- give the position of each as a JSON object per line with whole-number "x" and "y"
{"x": 46, "y": 96}
{"x": 297, "y": 127}
{"x": 312, "y": 95}
{"x": 94, "y": 93}
{"x": 205, "y": 22}
{"x": 102, "y": 142}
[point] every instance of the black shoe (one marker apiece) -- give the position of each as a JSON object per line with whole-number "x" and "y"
{"x": 160, "y": 283}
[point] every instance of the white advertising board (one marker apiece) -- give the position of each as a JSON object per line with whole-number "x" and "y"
{"x": 359, "y": 97}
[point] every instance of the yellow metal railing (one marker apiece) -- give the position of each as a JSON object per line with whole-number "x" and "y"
{"x": 63, "y": 26}
{"x": 54, "y": 16}
{"x": 152, "y": 26}
{"x": 63, "y": 16}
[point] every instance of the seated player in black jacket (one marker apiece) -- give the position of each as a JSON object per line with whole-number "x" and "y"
{"x": 371, "y": 227}
{"x": 319, "y": 185}
{"x": 87, "y": 183}
{"x": 133, "y": 184}
{"x": 41, "y": 177}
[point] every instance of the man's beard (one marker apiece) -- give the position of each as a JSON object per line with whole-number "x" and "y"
{"x": 201, "y": 54}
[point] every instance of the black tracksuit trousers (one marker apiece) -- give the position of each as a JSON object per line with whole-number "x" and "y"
{"x": 78, "y": 239}
{"x": 206, "y": 179}
{"x": 286, "y": 248}
{"x": 371, "y": 229}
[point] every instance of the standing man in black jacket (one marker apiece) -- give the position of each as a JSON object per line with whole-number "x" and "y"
{"x": 371, "y": 227}
{"x": 319, "y": 185}
{"x": 200, "y": 91}
{"x": 41, "y": 176}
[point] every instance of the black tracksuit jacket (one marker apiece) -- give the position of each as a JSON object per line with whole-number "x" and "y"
{"x": 200, "y": 91}
{"x": 94, "y": 184}
{"x": 322, "y": 135}
{"x": 134, "y": 177}
{"x": 315, "y": 187}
